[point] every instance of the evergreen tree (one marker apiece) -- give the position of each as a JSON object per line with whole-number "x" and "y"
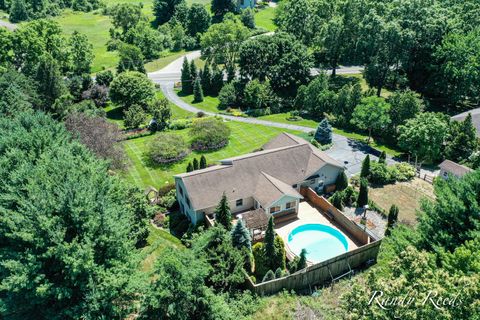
{"x": 362, "y": 199}
{"x": 185, "y": 77}
{"x": 302, "y": 262}
{"x": 193, "y": 72}
{"x": 197, "y": 91}
{"x": 383, "y": 157}
{"x": 241, "y": 236}
{"x": 337, "y": 200}
{"x": 18, "y": 11}
{"x": 324, "y": 132}
{"x": 206, "y": 79}
{"x": 278, "y": 259}
{"x": 279, "y": 273}
{"x": 461, "y": 140}
{"x": 270, "y": 239}
{"x": 217, "y": 81}
{"x": 195, "y": 164}
{"x": 50, "y": 82}
{"x": 392, "y": 219}
{"x": 189, "y": 167}
{"x": 342, "y": 181}
{"x": 223, "y": 215}
{"x": 365, "y": 172}
{"x": 203, "y": 162}
{"x": 270, "y": 275}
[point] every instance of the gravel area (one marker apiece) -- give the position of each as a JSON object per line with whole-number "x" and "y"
{"x": 376, "y": 223}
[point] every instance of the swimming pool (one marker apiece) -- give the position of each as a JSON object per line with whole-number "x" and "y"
{"x": 321, "y": 242}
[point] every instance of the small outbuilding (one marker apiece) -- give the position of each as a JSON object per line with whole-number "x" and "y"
{"x": 450, "y": 168}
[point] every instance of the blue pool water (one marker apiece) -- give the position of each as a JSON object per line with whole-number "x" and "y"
{"x": 321, "y": 242}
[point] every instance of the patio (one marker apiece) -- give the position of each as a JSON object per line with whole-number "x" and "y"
{"x": 307, "y": 214}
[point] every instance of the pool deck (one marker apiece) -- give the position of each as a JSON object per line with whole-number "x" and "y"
{"x": 308, "y": 214}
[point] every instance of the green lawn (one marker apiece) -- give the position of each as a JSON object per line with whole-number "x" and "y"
{"x": 157, "y": 241}
{"x": 163, "y": 61}
{"x": 264, "y": 18}
{"x": 95, "y": 26}
{"x": 282, "y": 118}
{"x": 244, "y": 138}
{"x": 208, "y": 103}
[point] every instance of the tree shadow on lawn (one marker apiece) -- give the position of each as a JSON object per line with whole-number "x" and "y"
{"x": 115, "y": 114}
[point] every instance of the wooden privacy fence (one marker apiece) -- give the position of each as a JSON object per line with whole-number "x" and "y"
{"x": 317, "y": 274}
{"x": 347, "y": 225}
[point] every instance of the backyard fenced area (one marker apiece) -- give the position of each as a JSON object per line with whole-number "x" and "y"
{"x": 317, "y": 274}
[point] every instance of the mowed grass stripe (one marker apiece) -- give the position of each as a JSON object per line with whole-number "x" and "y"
{"x": 244, "y": 138}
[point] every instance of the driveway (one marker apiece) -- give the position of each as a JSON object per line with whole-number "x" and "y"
{"x": 8, "y": 25}
{"x": 349, "y": 152}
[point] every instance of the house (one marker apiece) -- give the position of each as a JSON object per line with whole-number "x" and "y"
{"x": 475, "y": 118}
{"x": 264, "y": 182}
{"x": 450, "y": 168}
{"x": 244, "y": 4}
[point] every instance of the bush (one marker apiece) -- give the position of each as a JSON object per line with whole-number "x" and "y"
{"x": 380, "y": 174}
{"x": 134, "y": 117}
{"x": 104, "y": 78}
{"x": 209, "y": 134}
{"x": 227, "y": 96}
{"x": 167, "y": 148}
{"x": 180, "y": 124}
{"x": 270, "y": 275}
{"x": 261, "y": 262}
{"x": 169, "y": 200}
{"x": 403, "y": 171}
{"x": 130, "y": 88}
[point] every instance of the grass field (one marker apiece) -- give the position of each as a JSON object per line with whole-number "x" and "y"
{"x": 264, "y": 18}
{"x": 244, "y": 138}
{"x": 208, "y": 103}
{"x": 157, "y": 241}
{"x": 406, "y": 195}
{"x": 95, "y": 26}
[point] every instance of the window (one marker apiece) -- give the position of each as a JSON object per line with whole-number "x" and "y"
{"x": 188, "y": 202}
{"x": 274, "y": 209}
{"x": 239, "y": 202}
{"x": 295, "y": 186}
{"x": 180, "y": 190}
{"x": 290, "y": 205}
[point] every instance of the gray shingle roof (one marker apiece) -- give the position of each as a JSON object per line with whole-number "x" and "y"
{"x": 475, "y": 118}
{"x": 454, "y": 168}
{"x": 270, "y": 189}
{"x": 240, "y": 177}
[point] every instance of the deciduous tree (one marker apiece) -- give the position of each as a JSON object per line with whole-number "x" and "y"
{"x": 372, "y": 114}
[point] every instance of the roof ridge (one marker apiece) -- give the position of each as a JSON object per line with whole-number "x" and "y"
{"x": 267, "y": 176}
{"x": 263, "y": 152}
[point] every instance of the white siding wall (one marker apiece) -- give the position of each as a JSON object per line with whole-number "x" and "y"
{"x": 282, "y": 202}
{"x": 327, "y": 174}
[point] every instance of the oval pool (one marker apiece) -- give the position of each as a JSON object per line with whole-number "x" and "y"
{"x": 321, "y": 242}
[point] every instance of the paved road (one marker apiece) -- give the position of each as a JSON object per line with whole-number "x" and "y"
{"x": 349, "y": 152}
{"x": 8, "y": 25}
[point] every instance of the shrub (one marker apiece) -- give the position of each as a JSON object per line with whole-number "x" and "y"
{"x": 167, "y": 148}
{"x": 261, "y": 262}
{"x": 380, "y": 174}
{"x": 337, "y": 200}
{"x": 324, "y": 132}
{"x": 179, "y": 124}
{"x": 104, "y": 78}
{"x": 209, "y": 134}
{"x": 130, "y": 88}
{"x": 270, "y": 275}
{"x": 169, "y": 200}
{"x": 134, "y": 117}
{"x": 227, "y": 96}
{"x": 403, "y": 171}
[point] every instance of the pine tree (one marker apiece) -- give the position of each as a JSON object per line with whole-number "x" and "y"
{"x": 278, "y": 273}
{"x": 206, "y": 79}
{"x": 362, "y": 199}
{"x": 195, "y": 164}
{"x": 197, "y": 91}
{"x": 186, "y": 77}
{"x": 383, "y": 157}
{"x": 302, "y": 262}
{"x": 217, "y": 81}
{"x": 18, "y": 11}
{"x": 324, "y": 132}
{"x": 365, "y": 167}
{"x": 189, "y": 167}
{"x": 269, "y": 239}
{"x": 392, "y": 219}
{"x": 241, "y": 236}
{"x": 193, "y": 72}
{"x": 342, "y": 181}
{"x": 222, "y": 213}
{"x": 203, "y": 162}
